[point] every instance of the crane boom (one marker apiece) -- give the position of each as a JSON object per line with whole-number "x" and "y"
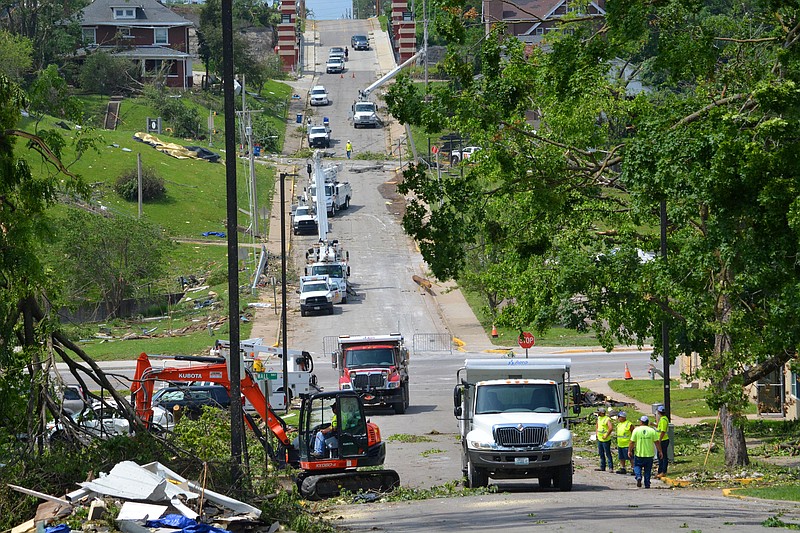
{"x": 364, "y": 93}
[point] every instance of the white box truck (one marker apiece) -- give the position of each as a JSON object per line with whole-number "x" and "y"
{"x": 512, "y": 417}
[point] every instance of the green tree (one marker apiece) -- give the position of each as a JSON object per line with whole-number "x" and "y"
{"x": 26, "y": 281}
{"x": 50, "y": 94}
{"x": 108, "y": 74}
{"x": 210, "y": 37}
{"x": 15, "y": 55}
{"x": 106, "y": 258}
{"x": 560, "y": 210}
{"x": 50, "y": 25}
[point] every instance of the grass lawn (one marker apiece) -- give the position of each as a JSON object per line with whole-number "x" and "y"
{"x": 685, "y": 403}
{"x": 784, "y": 492}
{"x": 506, "y": 337}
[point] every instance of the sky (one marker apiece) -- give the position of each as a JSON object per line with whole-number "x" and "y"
{"x": 330, "y": 9}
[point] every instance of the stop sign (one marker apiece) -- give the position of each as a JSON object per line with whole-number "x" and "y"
{"x": 434, "y": 149}
{"x": 526, "y": 340}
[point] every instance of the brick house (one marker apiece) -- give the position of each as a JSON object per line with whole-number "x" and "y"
{"x": 148, "y": 33}
{"x": 530, "y": 20}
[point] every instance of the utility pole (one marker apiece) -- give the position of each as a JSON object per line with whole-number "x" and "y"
{"x": 234, "y": 365}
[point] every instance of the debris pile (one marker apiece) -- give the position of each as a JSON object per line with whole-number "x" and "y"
{"x": 143, "y": 499}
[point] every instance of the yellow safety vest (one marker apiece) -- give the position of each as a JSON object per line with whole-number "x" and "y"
{"x": 624, "y": 430}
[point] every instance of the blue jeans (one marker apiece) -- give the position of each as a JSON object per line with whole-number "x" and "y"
{"x": 643, "y": 468}
{"x": 604, "y": 449}
{"x": 321, "y": 442}
{"x": 664, "y": 460}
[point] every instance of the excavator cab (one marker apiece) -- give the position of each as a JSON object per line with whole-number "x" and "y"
{"x": 354, "y": 442}
{"x": 349, "y": 436}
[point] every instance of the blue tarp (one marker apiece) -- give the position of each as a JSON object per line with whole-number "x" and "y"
{"x": 186, "y": 525}
{"x": 219, "y": 234}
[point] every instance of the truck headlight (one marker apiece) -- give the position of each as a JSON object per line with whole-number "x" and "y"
{"x": 329, "y": 297}
{"x": 302, "y": 301}
{"x": 561, "y": 443}
{"x": 478, "y": 445}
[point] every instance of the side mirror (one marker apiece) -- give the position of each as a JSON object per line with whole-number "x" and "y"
{"x": 575, "y": 391}
{"x": 576, "y": 409}
{"x": 333, "y": 360}
{"x": 297, "y": 291}
{"x": 457, "y": 411}
{"x": 457, "y": 395}
{"x": 348, "y": 270}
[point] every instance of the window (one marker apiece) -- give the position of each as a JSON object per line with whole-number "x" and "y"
{"x": 795, "y": 384}
{"x": 89, "y": 35}
{"x": 286, "y": 18}
{"x": 161, "y": 66}
{"x": 124, "y": 33}
{"x": 124, "y": 12}
{"x": 160, "y": 36}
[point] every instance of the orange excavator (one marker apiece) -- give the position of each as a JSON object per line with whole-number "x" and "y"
{"x": 357, "y": 442}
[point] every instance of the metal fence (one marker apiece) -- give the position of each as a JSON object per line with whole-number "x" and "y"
{"x": 433, "y": 342}
{"x": 329, "y": 345}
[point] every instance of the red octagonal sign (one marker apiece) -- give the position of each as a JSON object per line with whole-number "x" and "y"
{"x": 526, "y": 340}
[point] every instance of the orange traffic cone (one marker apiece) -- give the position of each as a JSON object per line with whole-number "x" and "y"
{"x": 494, "y": 331}
{"x": 627, "y": 372}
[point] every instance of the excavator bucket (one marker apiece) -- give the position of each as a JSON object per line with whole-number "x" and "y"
{"x": 321, "y": 486}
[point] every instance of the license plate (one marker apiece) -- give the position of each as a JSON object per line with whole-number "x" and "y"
{"x": 521, "y": 461}
{"x": 317, "y": 308}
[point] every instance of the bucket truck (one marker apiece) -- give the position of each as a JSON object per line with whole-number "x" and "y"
{"x": 365, "y": 112}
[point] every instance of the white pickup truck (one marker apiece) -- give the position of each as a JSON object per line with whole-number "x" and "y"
{"x": 319, "y": 137}
{"x": 513, "y": 420}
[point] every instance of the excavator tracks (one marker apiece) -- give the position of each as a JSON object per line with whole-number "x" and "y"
{"x": 322, "y": 486}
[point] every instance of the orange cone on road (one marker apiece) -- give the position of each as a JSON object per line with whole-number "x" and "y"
{"x": 494, "y": 331}
{"x": 627, "y": 372}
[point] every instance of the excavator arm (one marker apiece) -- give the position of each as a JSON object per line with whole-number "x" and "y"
{"x": 146, "y": 376}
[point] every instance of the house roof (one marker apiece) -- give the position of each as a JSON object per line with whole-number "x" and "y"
{"x": 147, "y": 52}
{"x": 535, "y": 10}
{"x": 148, "y": 13}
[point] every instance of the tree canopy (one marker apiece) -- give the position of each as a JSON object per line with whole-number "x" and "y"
{"x": 694, "y": 104}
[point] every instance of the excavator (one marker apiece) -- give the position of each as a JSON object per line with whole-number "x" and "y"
{"x": 358, "y": 443}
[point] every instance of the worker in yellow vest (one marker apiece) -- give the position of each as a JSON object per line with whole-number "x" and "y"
{"x": 624, "y": 430}
{"x": 643, "y": 446}
{"x": 662, "y": 426}
{"x": 604, "y": 429}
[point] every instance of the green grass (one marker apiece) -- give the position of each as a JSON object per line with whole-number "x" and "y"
{"x": 685, "y": 403}
{"x": 405, "y": 437}
{"x": 784, "y": 492}
{"x": 557, "y": 336}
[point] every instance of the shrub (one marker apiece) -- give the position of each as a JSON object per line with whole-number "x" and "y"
{"x": 107, "y": 74}
{"x": 127, "y": 185}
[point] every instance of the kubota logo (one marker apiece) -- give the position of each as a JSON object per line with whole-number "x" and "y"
{"x": 190, "y": 376}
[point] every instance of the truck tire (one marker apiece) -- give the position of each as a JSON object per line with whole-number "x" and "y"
{"x": 347, "y": 202}
{"x": 344, "y": 298}
{"x": 476, "y": 478}
{"x": 302, "y": 313}
{"x": 400, "y": 407}
{"x": 563, "y": 479}
{"x": 545, "y": 482}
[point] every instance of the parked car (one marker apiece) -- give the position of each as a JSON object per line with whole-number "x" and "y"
{"x": 337, "y": 51}
{"x": 73, "y": 400}
{"x": 335, "y": 65}
{"x": 192, "y": 398}
{"x": 104, "y": 421}
{"x": 359, "y": 42}
{"x": 318, "y": 95}
{"x": 456, "y": 156}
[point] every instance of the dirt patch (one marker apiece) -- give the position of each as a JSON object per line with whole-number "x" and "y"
{"x": 395, "y": 202}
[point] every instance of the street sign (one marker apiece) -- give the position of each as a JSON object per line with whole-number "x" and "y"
{"x": 526, "y": 340}
{"x": 265, "y": 375}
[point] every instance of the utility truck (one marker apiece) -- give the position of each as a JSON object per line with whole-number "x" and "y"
{"x": 327, "y": 258}
{"x": 512, "y": 415}
{"x": 337, "y": 193}
{"x": 376, "y": 367}
{"x": 365, "y": 112}
{"x": 266, "y": 363}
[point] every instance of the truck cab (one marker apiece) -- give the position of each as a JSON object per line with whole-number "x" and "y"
{"x": 376, "y": 367}
{"x": 365, "y": 114}
{"x": 318, "y": 294}
{"x": 512, "y": 417}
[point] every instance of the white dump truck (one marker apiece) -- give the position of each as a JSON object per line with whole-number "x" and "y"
{"x": 512, "y": 414}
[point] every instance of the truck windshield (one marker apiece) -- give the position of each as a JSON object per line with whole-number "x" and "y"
{"x": 521, "y": 398}
{"x": 334, "y": 271}
{"x": 369, "y": 357}
{"x": 364, "y": 108}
